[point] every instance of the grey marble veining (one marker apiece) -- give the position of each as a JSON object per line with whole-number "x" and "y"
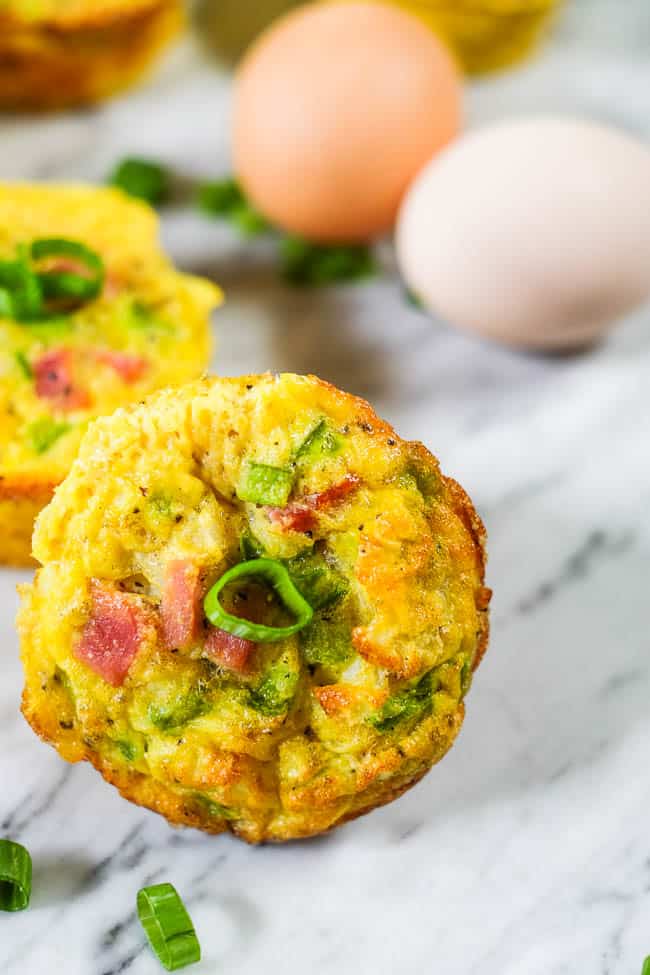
{"x": 527, "y": 851}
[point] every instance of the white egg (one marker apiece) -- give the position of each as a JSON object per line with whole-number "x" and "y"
{"x": 535, "y": 233}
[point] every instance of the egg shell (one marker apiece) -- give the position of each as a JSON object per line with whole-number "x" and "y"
{"x": 535, "y": 233}
{"x": 336, "y": 108}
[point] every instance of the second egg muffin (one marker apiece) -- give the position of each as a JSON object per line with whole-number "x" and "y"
{"x": 92, "y": 316}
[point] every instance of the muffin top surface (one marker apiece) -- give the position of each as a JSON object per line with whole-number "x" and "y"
{"x": 114, "y": 319}
{"x": 344, "y": 680}
{"x": 75, "y": 13}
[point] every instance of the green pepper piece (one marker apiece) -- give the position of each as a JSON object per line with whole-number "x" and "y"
{"x": 144, "y": 319}
{"x": 250, "y": 548}
{"x": 214, "y": 809}
{"x": 276, "y": 691}
{"x": 127, "y": 749}
{"x": 173, "y": 716}
{"x": 405, "y": 705}
{"x": 320, "y": 442}
{"x": 264, "y": 484}
{"x": 320, "y": 583}
{"x": 44, "y": 433}
{"x": 327, "y": 643}
{"x": 50, "y": 328}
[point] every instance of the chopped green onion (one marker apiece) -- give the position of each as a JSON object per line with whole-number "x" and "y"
{"x": 646, "y": 966}
{"x": 263, "y": 484}
{"x": 410, "y": 703}
{"x": 276, "y": 575}
{"x": 143, "y": 179}
{"x": 320, "y": 442}
{"x": 44, "y": 433}
{"x": 21, "y": 297}
{"x": 225, "y": 198}
{"x": 70, "y": 285}
{"x": 23, "y": 364}
{"x": 305, "y": 263}
{"x": 168, "y": 926}
{"x": 220, "y": 197}
{"x": 15, "y": 876}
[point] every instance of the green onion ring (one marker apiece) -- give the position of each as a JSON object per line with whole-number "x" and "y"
{"x": 168, "y": 926}
{"x": 278, "y": 578}
{"x": 646, "y": 966}
{"x": 68, "y": 284}
{"x": 15, "y": 876}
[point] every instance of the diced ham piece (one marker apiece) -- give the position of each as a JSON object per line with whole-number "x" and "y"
{"x": 232, "y": 652}
{"x": 129, "y": 367}
{"x": 181, "y": 603}
{"x": 54, "y": 381}
{"x": 296, "y": 517}
{"x": 119, "y": 623}
{"x": 302, "y": 516}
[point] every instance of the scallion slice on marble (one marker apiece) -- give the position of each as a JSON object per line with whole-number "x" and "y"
{"x": 225, "y": 198}
{"x": 15, "y": 876}
{"x": 168, "y": 926}
{"x": 307, "y": 263}
{"x": 143, "y": 179}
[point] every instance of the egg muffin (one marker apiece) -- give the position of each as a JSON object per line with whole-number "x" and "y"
{"x": 92, "y": 316}
{"x": 259, "y": 610}
{"x": 57, "y": 53}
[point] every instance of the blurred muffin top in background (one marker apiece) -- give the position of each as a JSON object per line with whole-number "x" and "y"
{"x": 59, "y": 53}
{"x": 484, "y": 34}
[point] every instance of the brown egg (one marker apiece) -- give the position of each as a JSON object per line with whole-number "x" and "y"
{"x": 337, "y": 107}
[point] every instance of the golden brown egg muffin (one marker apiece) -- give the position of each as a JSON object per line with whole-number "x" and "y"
{"x": 92, "y": 316}
{"x": 57, "y": 53}
{"x": 259, "y": 610}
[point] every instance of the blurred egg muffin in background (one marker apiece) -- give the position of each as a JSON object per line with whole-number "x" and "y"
{"x": 58, "y": 53}
{"x": 259, "y": 610}
{"x": 92, "y": 316}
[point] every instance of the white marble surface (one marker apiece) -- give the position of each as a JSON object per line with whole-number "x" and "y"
{"x": 527, "y": 851}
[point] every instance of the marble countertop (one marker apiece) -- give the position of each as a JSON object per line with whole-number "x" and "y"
{"x": 527, "y": 851}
